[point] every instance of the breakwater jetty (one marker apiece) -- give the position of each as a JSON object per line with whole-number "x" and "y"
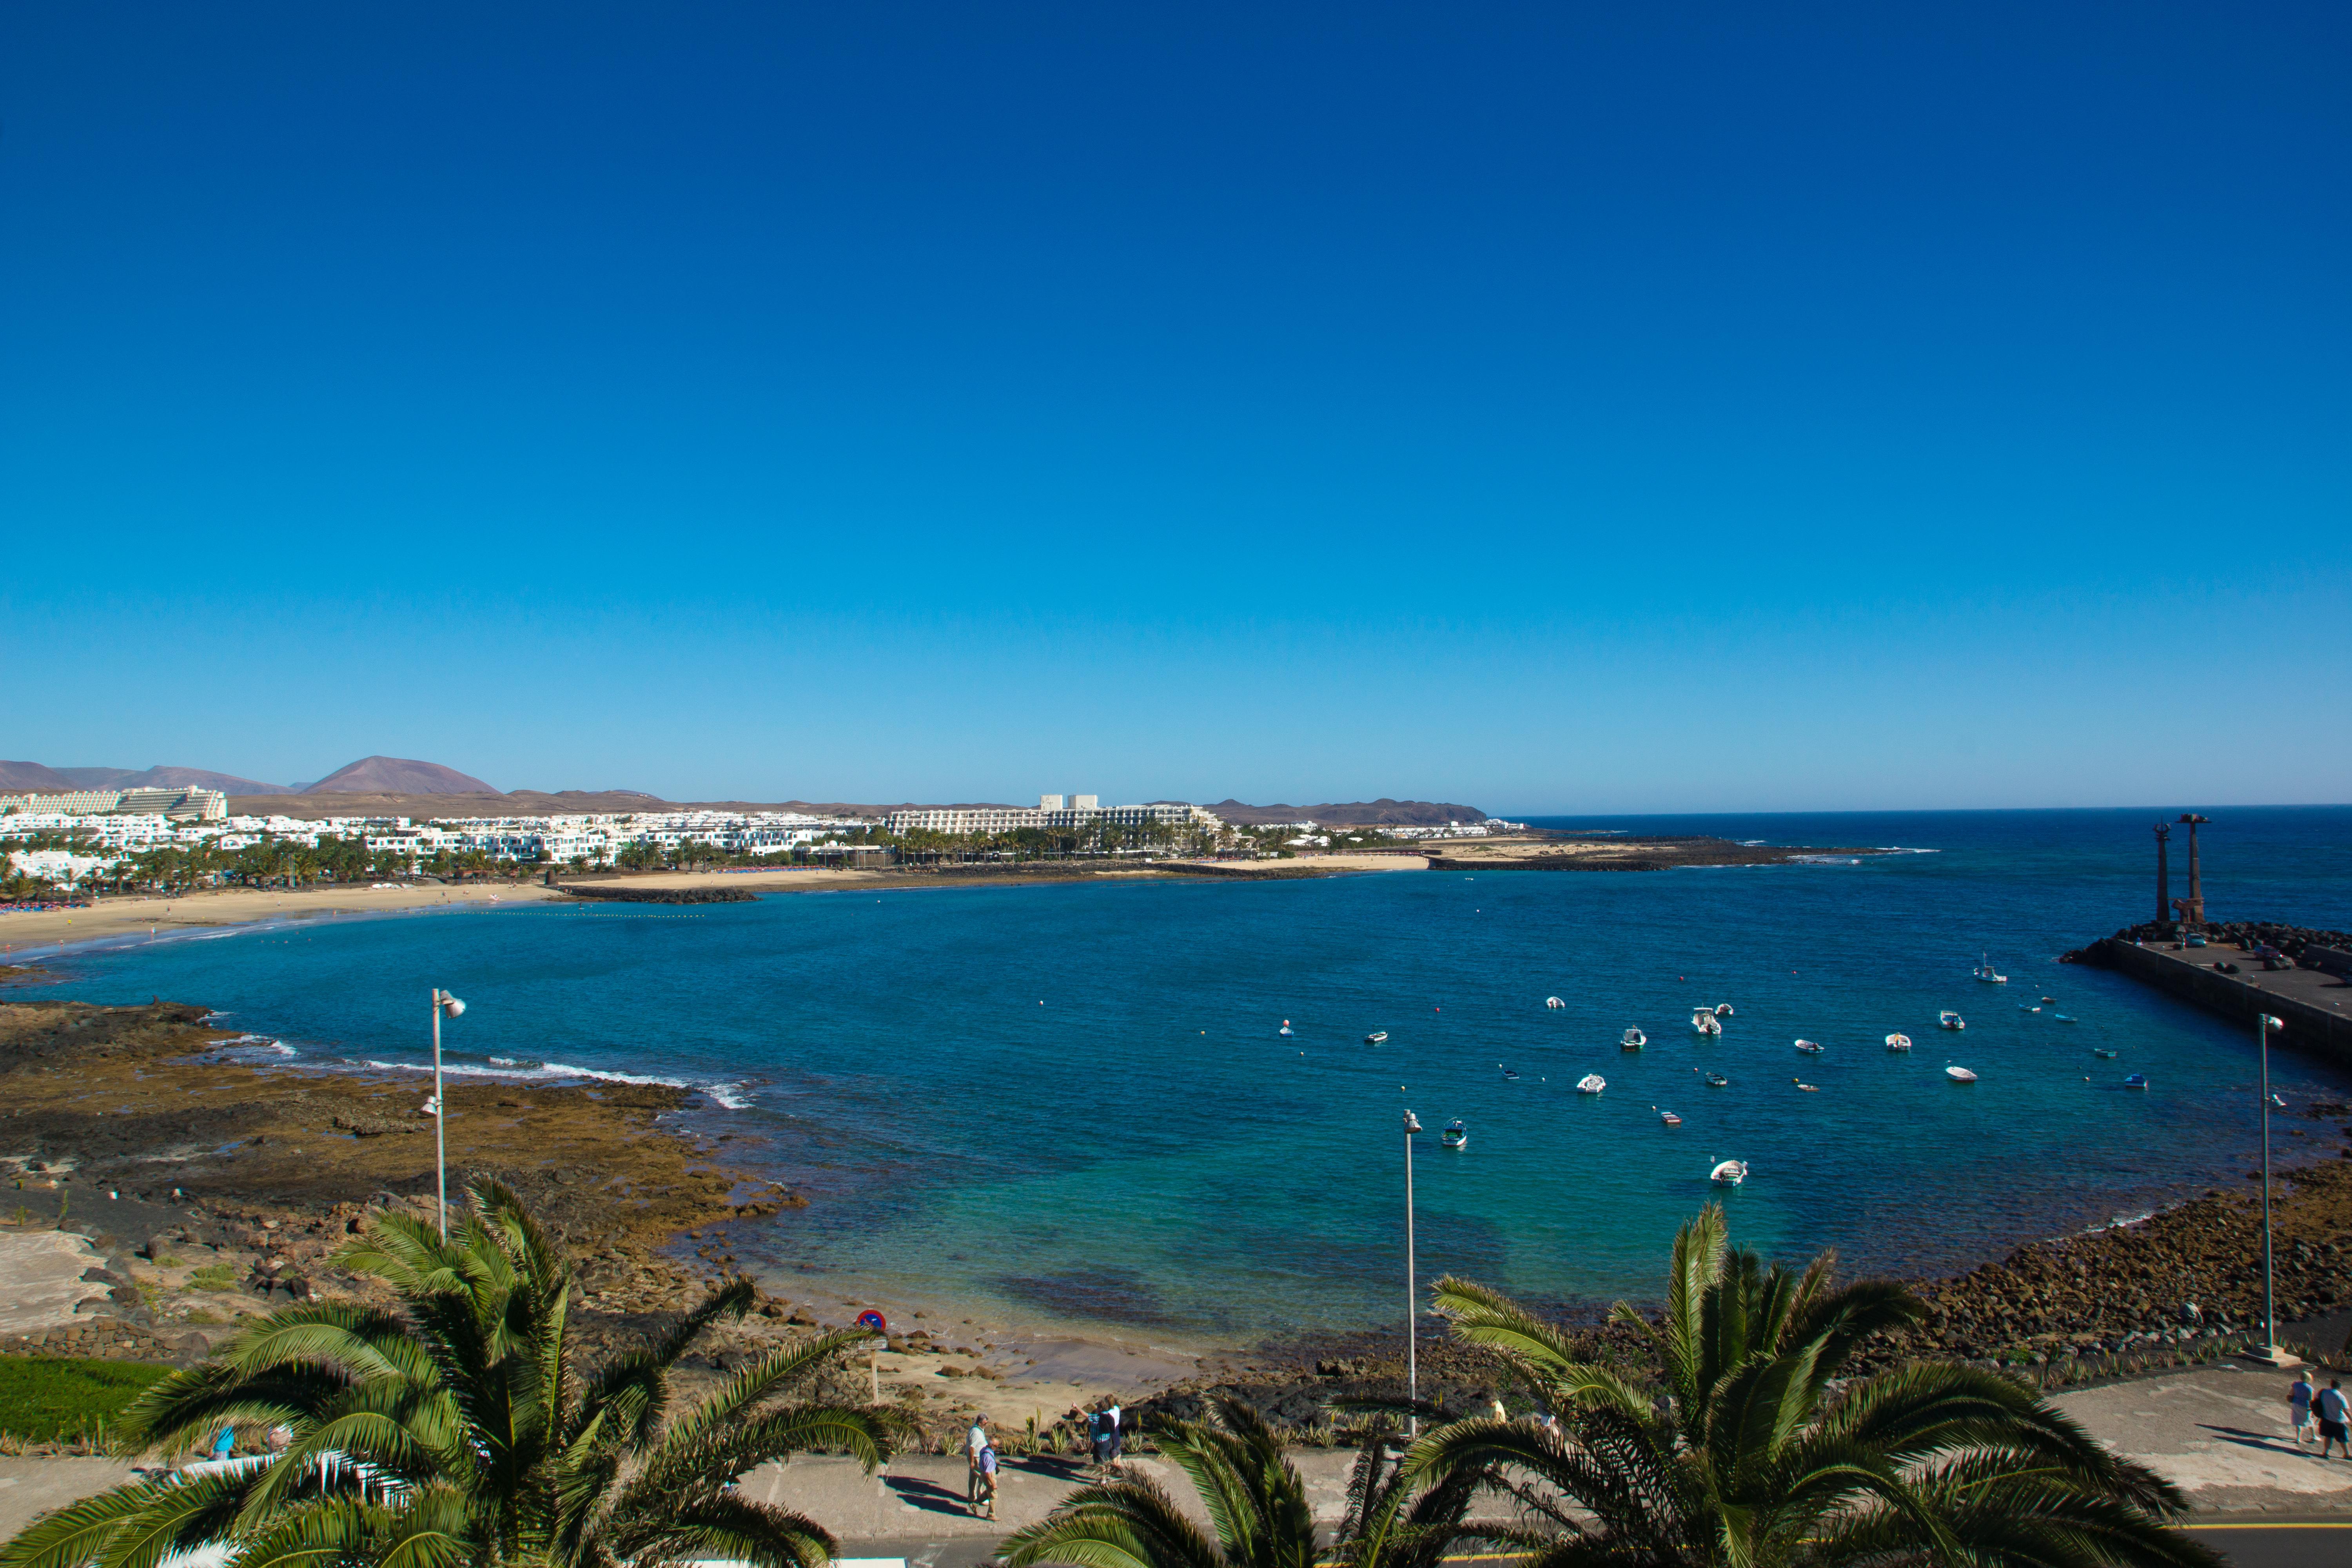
{"x": 625, "y": 895}
{"x": 2242, "y": 970}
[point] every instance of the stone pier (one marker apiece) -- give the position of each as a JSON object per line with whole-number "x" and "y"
{"x": 2316, "y": 1007}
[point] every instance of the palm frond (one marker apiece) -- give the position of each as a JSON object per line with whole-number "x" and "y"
{"x": 1125, "y": 1524}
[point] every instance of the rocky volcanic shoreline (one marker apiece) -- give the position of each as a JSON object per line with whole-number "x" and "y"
{"x": 1566, "y": 853}
{"x": 236, "y": 1177}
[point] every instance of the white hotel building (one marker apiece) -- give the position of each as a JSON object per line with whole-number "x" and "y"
{"x": 1052, "y": 811}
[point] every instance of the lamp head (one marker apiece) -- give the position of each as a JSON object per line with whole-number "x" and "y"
{"x": 450, "y": 1006}
{"x": 2275, "y": 1024}
{"x": 1411, "y": 1125}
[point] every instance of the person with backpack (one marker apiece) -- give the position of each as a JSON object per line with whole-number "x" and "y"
{"x": 2298, "y": 1405}
{"x": 2333, "y": 1412}
{"x": 1114, "y": 1429}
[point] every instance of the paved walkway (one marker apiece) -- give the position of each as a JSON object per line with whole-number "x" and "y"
{"x": 2222, "y": 1433}
{"x": 41, "y": 1279}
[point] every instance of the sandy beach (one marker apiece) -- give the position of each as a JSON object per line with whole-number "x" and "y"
{"x": 132, "y": 915}
{"x": 33, "y": 933}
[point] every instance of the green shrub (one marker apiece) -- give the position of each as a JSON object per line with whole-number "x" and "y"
{"x": 212, "y": 1277}
{"x": 44, "y": 1401}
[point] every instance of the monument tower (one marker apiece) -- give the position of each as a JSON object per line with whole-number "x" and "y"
{"x": 2192, "y": 908}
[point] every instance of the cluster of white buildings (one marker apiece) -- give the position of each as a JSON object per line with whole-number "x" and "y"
{"x": 561, "y": 839}
{"x": 121, "y": 824}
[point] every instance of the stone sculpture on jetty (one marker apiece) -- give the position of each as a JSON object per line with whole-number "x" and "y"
{"x": 2192, "y": 908}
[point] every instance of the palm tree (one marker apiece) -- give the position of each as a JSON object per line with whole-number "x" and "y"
{"x": 458, "y": 1430}
{"x": 1257, "y": 1507}
{"x": 1751, "y": 1457}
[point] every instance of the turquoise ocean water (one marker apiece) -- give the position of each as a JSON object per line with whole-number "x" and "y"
{"x": 1071, "y": 1100}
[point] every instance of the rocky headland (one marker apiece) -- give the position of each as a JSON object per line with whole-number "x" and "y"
{"x": 1560, "y": 852}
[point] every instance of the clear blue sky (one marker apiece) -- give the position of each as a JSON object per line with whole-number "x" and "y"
{"x": 1551, "y": 408}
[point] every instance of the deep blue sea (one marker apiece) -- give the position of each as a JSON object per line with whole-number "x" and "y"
{"x": 1072, "y": 1101}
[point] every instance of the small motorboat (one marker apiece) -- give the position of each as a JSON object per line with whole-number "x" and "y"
{"x": 2062, "y": 1017}
{"x": 1899, "y": 1042}
{"x": 1510, "y": 1075}
{"x": 1988, "y": 974}
{"x": 1728, "y": 1173}
{"x": 1716, "y": 1080}
{"x": 1668, "y": 1117}
{"x": 1633, "y": 1040}
{"x": 1704, "y": 1022}
{"x": 1804, "y": 1088}
{"x": 1285, "y": 1030}
{"x": 1723, "y": 1009}
{"x": 2050, "y": 999}
{"x": 1456, "y": 1136}
{"x": 2135, "y": 1080}
{"x": 1554, "y": 1002}
{"x": 1592, "y": 1083}
{"x": 2103, "y": 1054}
{"x": 2023, "y": 1008}
{"x": 1959, "y": 1074}
{"x": 1948, "y": 1020}
{"x": 1810, "y": 1049}
{"x": 1376, "y": 1036}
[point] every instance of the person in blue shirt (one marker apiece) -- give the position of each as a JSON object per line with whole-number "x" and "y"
{"x": 2298, "y": 1404}
{"x": 225, "y": 1444}
{"x": 988, "y": 1479}
{"x": 2333, "y": 1414}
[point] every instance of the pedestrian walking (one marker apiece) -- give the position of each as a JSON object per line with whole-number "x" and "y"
{"x": 988, "y": 1478}
{"x": 974, "y": 1442}
{"x": 1098, "y": 1436}
{"x": 2298, "y": 1403}
{"x": 1116, "y": 1432}
{"x": 2333, "y": 1412}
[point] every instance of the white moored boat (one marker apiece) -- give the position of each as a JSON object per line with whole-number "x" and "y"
{"x": 1285, "y": 1030}
{"x": 1810, "y": 1049}
{"x": 1948, "y": 1020}
{"x": 1899, "y": 1042}
{"x": 1668, "y": 1117}
{"x": 1729, "y": 1173}
{"x": 1554, "y": 1002}
{"x": 1592, "y": 1083}
{"x": 1633, "y": 1040}
{"x": 1456, "y": 1136}
{"x": 1704, "y": 1022}
{"x": 1376, "y": 1036}
{"x": 1959, "y": 1074}
{"x": 1988, "y": 974}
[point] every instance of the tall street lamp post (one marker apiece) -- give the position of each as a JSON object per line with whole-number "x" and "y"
{"x": 1412, "y": 1292}
{"x": 2271, "y": 1352}
{"x": 441, "y": 1003}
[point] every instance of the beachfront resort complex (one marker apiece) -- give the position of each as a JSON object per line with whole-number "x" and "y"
{"x": 68, "y": 840}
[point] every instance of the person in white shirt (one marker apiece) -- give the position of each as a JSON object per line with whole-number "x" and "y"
{"x": 974, "y": 1441}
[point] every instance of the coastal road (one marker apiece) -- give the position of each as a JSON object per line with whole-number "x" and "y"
{"x": 2273, "y": 1542}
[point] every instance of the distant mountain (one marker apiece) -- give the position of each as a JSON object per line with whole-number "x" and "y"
{"x": 64, "y": 779}
{"x": 34, "y": 776}
{"x": 396, "y": 776}
{"x": 1381, "y": 812}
